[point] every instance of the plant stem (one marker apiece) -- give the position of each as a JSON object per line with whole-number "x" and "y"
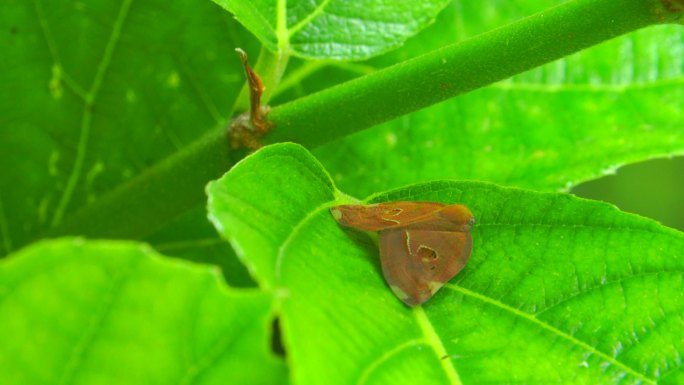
{"x": 459, "y": 68}
{"x": 176, "y": 185}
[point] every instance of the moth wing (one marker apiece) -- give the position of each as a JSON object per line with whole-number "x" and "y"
{"x": 417, "y": 263}
{"x": 382, "y": 216}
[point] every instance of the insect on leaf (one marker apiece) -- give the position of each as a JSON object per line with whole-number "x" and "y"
{"x": 422, "y": 244}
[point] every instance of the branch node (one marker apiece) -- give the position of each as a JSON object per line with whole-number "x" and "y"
{"x": 248, "y": 128}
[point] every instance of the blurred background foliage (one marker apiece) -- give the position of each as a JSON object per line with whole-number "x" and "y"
{"x": 653, "y": 189}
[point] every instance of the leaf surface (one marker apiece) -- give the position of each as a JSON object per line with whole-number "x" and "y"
{"x": 100, "y": 312}
{"x": 96, "y": 93}
{"x": 240, "y": 209}
{"x": 333, "y": 29}
{"x": 558, "y": 289}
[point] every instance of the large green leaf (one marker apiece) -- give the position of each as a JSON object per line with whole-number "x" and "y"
{"x": 558, "y": 289}
{"x": 192, "y": 237}
{"x": 106, "y": 312}
{"x": 333, "y": 29}
{"x": 96, "y": 92}
{"x": 548, "y": 129}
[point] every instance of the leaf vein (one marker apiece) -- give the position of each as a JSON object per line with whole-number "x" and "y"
{"x": 207, "y": 101}
{"x": 386, "y": 356}
{"x": 89, "y": 336}
{"x": 86, "y": 120}
{"x": 308, "y": 19}
{"x": 521, "y": 315}
{"x": 601, "y": 285}
{"x": 219, "y": 348}
{"x": 293, "y": 234}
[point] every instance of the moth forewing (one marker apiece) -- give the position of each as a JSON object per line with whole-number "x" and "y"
{"x": 422, "y": 244}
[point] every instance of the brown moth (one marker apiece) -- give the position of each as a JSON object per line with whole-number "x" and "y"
{"x": 422, "y": 244}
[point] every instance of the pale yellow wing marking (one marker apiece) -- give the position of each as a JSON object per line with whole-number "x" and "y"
{"x": 392, "y": 213}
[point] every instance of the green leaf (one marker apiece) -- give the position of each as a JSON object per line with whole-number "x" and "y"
{"x": 96, "y": 92}
{"x": 550, "y": 128}
{"x": 192, "y": 237}
{"x": 558, "y": 289}
{"x": 122, "y": 89}
{"x": 333, "y": 29}
{"x": 297, "y": 181}
{"x": 114, "y": 312}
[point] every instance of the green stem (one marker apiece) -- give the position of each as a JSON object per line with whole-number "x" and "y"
{"x": 176, "y": 185}
{"x": 442, "y": 74}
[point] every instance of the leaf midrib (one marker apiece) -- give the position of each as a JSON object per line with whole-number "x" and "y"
{"x": 435, "y": 342}
{"x": 430, "y": 336}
